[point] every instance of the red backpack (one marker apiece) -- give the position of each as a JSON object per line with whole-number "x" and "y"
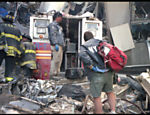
{"x": 113, "y": 57}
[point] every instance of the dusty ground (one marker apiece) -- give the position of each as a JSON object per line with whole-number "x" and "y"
{"x": 5, "y": 99}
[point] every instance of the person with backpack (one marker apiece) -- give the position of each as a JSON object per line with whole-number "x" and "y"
{"x": 99, "y": 75}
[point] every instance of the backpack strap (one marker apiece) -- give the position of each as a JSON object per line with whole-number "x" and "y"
{"x": 100, "y": 49}
{"x": 92, "y": 56}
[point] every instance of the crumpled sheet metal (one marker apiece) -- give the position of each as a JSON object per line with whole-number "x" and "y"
{"x": 49, "y": 86}
{"x": 40, "y": 90}
{"x": 65, "y": 105}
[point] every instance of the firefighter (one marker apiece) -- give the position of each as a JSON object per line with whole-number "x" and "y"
{"x": 28, "y": 58}
{"x": 10, "y": 46}
{"x": 56, "y": 38}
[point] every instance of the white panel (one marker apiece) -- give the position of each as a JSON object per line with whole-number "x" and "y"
{"x": 122, "y": 37}
{"x": 95, "y": 27}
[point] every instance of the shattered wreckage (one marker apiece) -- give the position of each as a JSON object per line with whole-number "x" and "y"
{"x": 127, "y": 28}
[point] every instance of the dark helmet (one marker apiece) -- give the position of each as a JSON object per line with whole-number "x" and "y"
{"x": 8, "y": 18}
{"x": 27, "y": 36}
{"x": 57, "y": 14}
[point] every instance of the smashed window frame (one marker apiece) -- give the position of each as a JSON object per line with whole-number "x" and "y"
{"x": 140, "y": 20}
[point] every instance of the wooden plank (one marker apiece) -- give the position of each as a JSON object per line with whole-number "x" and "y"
{"x": 145, "y": 82}
{"x": 146, "y": 86}
{"x": 33, "y": 101}
{"x": 122, "y": 92}
{"x": 85, "y": 103}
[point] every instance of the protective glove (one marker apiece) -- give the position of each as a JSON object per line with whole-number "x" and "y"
{"x": 101, "y": 70}
{"x": 96, "y": 69}
{"x": 56, "y": 47}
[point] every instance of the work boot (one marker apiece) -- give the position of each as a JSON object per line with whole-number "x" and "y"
{"x": 8, "y": 79}
{"x": 12, "y": 80}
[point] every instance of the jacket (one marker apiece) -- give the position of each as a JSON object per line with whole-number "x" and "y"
{"x": 56, "y": 35}
{"x": 89, "y": 56}
{"x": 10, "y": 39}
{"x": 28, "y": 58}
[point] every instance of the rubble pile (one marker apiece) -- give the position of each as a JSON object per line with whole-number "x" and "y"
{"x": 65, "y": 105}
{"x": 52, "y": 97}
{"x": 60, "y": 95}
{"x": 46, "y": 96}
{"x": 43, "y": 91}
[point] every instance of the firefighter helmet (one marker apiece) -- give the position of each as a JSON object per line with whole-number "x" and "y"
{"x": 8, "y": 18}
{"x": 27, "y": 37}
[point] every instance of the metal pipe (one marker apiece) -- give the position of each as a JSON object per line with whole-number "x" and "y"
{"x": 79, "y": 27}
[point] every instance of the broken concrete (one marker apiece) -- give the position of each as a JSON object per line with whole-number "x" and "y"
{"x": 25, "y": 104}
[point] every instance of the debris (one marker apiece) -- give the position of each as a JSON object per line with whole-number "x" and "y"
{"x": 73, "y": 91}
{"x": 20, "y": 108}
{"x": 65, "y": 105}
{"x": 52, "y": 97}
{"x": 85, "y": 103}
{"x": 145, "y": 81}
{"x": 74, "y": 73}
{"x": 25, "y": 105}
{"x": 32, "y": 101}
{"x": 9, "y": 111}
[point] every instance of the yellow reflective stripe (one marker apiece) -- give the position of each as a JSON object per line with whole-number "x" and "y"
{"x": 20, "y": 37}
{"x": 10, "y": 25}
{"x": 28, "y": 62}
{"x": 10, "y": 54}
{"x": 30, "y": 51}
{"x": 11, "y": 36}
{"x": 9, "y": 78}
{"x": 14, "y": 48}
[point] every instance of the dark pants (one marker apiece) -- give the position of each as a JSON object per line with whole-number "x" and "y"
{"x": 9, "y": 63}
{"x": 27, "y": 72}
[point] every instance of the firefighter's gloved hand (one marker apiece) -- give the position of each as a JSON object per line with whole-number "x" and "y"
{"x": 56, "y": 47}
